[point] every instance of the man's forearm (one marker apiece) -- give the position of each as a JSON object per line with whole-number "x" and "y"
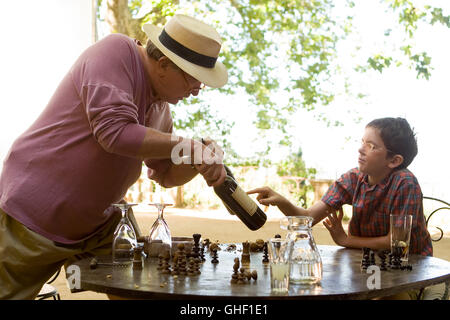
{"x": 178, "y": 175}
{"x": 158, "y": 145}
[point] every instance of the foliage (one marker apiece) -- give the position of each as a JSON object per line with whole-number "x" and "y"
{"x": 294, "y": 166}
{"x": 282, "y": 54}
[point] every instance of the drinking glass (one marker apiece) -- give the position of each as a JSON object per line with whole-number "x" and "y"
{"x": 160, "y": 239}
{"x": 400, "y": 233}
{"x": 124, "y": 241}
{"x": 280, "y": 252}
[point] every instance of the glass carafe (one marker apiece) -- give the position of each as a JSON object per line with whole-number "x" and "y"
{"x": 306, "y": 263}
{"x": 124, "y": 241}
{"x": 160, "y": 239}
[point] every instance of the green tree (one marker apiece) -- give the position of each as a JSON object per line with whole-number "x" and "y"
{"x": 279, "y": 48}
{"x": 297, "y": 175}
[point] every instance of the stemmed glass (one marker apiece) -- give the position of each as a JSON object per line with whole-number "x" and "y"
{"x": 125, "y": 240}
{"x": 160, "y": 239}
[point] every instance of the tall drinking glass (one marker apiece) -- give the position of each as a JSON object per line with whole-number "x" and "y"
{"x": 124, "y": 241}
{"x": 400, "y": 233}
{"x": 160, "y": 239}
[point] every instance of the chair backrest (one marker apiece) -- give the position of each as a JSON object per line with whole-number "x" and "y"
{"x": 438, "y": 205}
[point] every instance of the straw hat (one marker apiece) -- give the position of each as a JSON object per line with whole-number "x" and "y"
{"x": 193, "y": 46}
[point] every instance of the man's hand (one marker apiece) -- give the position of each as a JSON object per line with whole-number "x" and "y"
{"x": 333, "y": 223}
{"x": 211, "y": 166}
{"x": 266, "y": 196}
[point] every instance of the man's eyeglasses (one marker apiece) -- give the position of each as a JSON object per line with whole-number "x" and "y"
{"x": 191, "y": 82}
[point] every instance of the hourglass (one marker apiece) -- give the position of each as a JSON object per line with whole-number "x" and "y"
{"x": 125, "y": 240}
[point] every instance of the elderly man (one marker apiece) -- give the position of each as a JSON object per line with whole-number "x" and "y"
{"x": 109, "y": 113}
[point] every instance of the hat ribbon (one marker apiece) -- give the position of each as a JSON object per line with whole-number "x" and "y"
{"x": 186, "y": 53}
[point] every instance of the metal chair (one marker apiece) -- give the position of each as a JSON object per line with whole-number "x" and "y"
{"x": 443, "y": 205}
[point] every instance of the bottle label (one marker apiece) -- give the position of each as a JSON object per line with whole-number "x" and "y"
{"x": 244, "y": 200}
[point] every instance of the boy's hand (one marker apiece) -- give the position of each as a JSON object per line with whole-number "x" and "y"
{"x": 266, "y": 196}
{"x": 333, "y": 223}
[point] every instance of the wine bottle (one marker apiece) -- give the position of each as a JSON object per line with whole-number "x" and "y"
{"x": 238, "y": 203}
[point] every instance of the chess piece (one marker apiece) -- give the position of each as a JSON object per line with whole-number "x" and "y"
{"x": 193, "y": 268}
{"x": 214, "y": 257}
{"x": 235, "y": 275}
{"x": 277, "y": 236}
{"x": 382, "y": 256}
{"x": 160, "y": 262}
{"x": 196, "y": 248}
{"x": 137, "y": 258}
{"x": 214, "y": 246}
{"x": 206, "y": 243}
{"x": 181, "y": 260}
{"x": 197, "y": 265}
{"x": 254, "y": 275}
{"x": 406, "y": 267}
{"x": 396, "y": 262}
{"x": 372, "y": 257}
{"x": 245, "y": 258}
{"x": 94, "y": 263}
{"x": 365, "y": 262}
{"x": 202, "y": 253}
{"x": 165, "y": 262}
{"x": 242, "y": 277}
{"x": 266, "y": 253}
{"x": 190, "y": 267}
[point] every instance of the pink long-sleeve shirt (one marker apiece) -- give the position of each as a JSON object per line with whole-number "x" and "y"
{"x": 79, "y": 156}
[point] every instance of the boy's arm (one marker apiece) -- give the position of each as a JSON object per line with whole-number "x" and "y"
{"x": 267, "y": 196}
{"x": 334, "y": 224}
{"x": 375, "y": 243}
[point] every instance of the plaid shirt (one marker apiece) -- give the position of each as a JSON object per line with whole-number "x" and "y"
{"x": 399, "y": 193}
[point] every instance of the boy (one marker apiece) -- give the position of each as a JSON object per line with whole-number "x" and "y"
{"x": 380, "y": 186}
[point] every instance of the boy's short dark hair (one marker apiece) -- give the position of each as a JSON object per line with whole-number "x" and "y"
{"x": 398, "y": 137}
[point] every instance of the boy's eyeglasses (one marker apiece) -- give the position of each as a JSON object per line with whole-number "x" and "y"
{"x": 373, "y": 147}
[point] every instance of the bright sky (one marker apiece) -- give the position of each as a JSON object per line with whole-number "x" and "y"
{"x": 36, "y": 54}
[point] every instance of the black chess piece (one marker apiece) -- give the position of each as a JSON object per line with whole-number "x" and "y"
{"x": 196, "y": 248}
{"x": 214, "y": 258}
{"x": 202, "y": 253}
{"x": 265, "y": 254}
{"x": 382, "y": 256}
{"x": 406, "y": 267}
{"x": 365, "y": 262}
{"x": 137, "y": 258}
{"x": 277, "y": 236}
{"x": 372, "y": 257}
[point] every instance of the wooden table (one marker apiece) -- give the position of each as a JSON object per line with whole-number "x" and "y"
{"x": 342, "y": 278}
